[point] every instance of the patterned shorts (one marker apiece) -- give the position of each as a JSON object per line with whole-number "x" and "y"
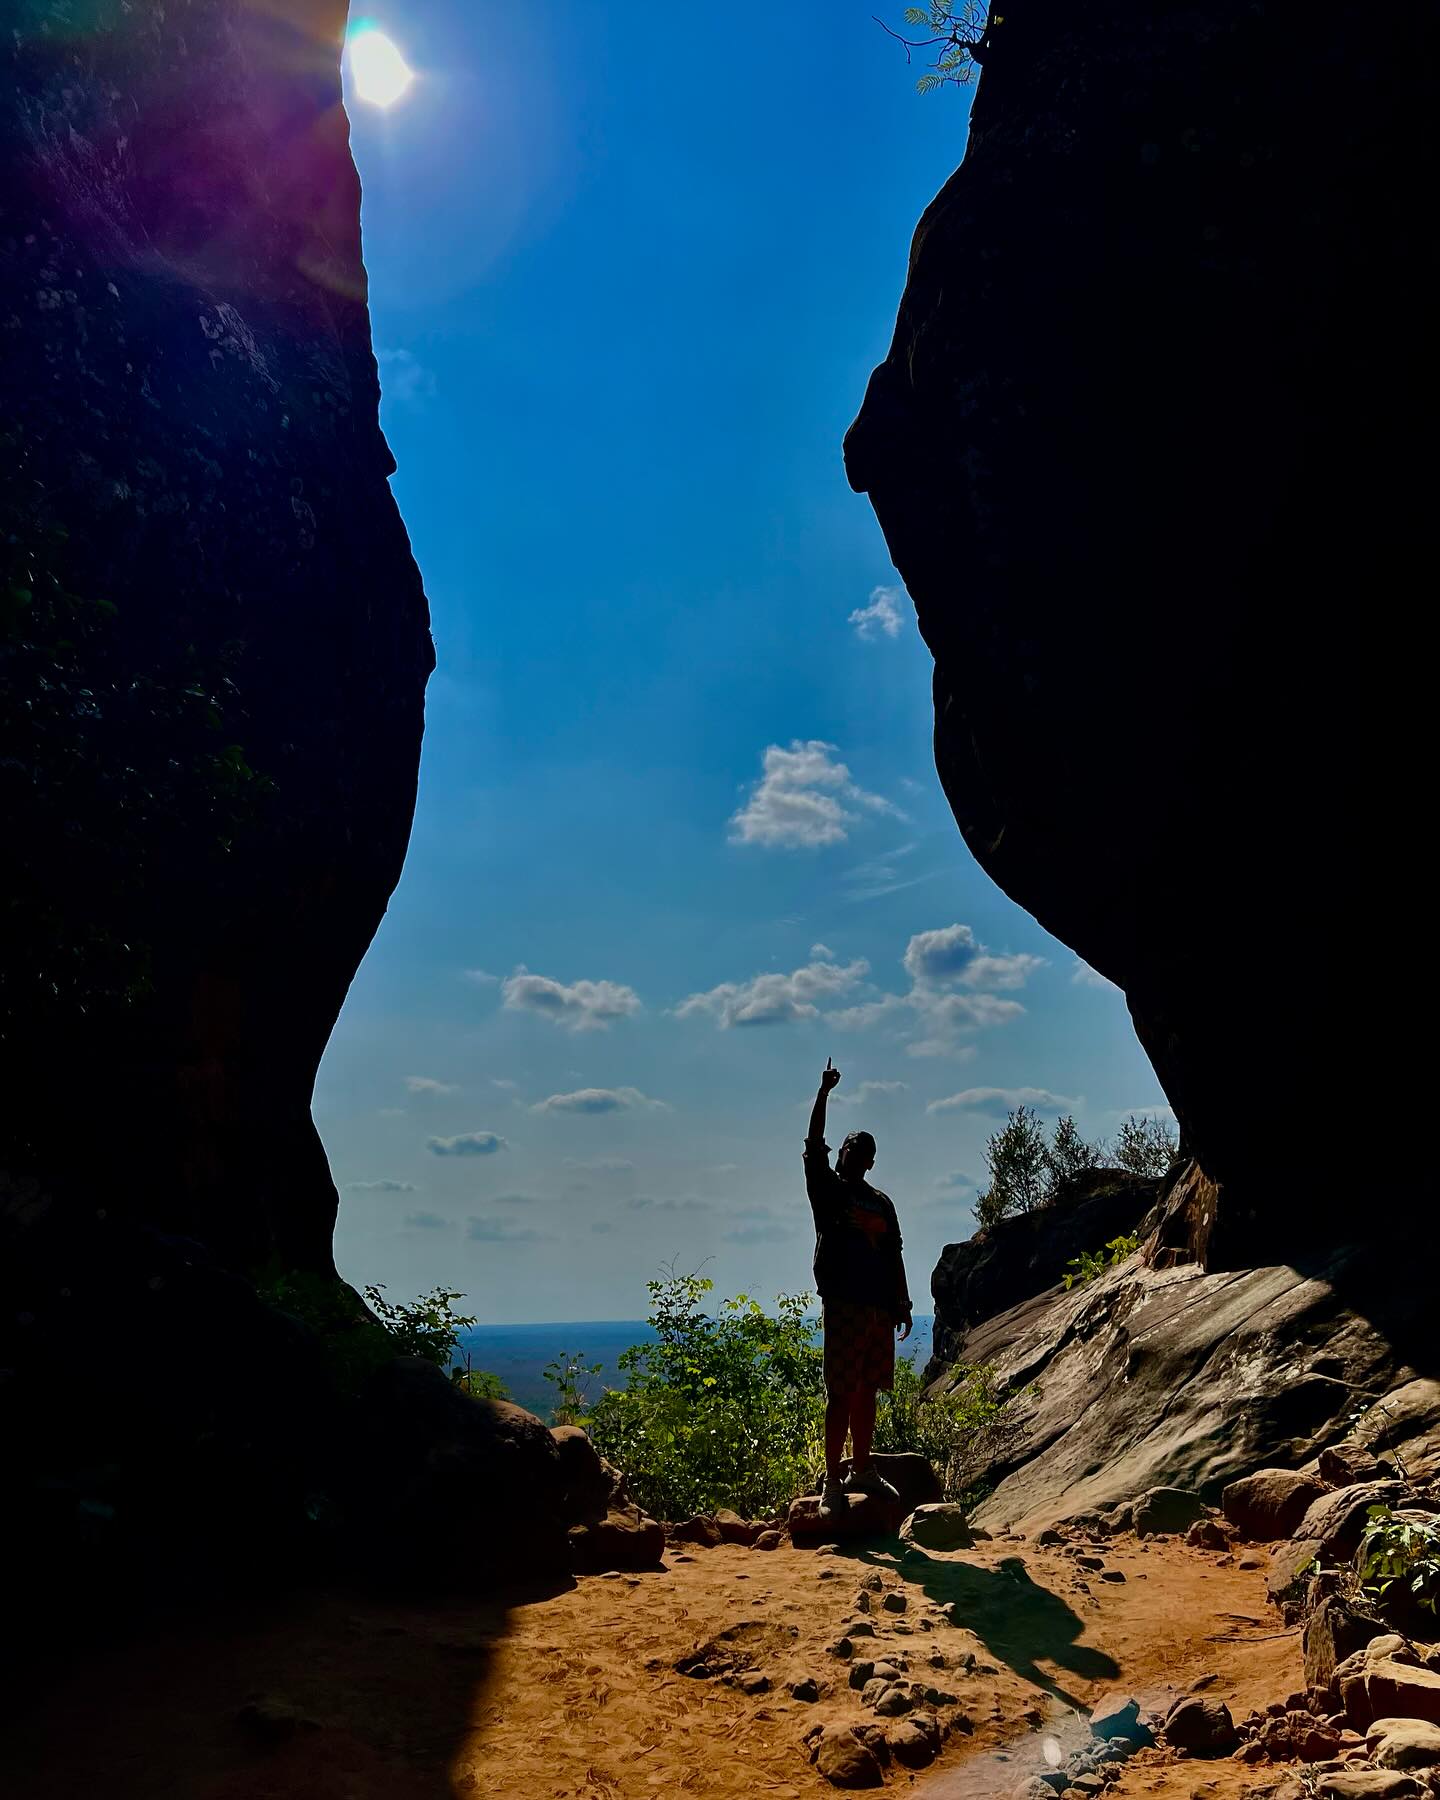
{"x": 859, "y": 1350}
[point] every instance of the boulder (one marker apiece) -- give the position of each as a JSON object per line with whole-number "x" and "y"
{"x": 735, "y": 1530}
{"x": 1201, "y": 1725}
{"x": 1345, "y": 1465}
{"x": 1368, "y": 1784}
{"x": 1115, "y": 1716}
{"x": 943, "y": 1526}
{"x": 1404, "y": 1743}
{"x": 845, "y": 1761}
{"x": 625, "y": 1538}
{"x": 435, "y": 1468}
{"x": 1337, "y": 1521}
{"x": 862, "y": 1516}
{"x": 1270, "y": 1503}
{"x": 1385, "y": 1689}
{"x": 911, "y": 1745}
{"x": 1166, "y": 1510}
{"x": 589, "y": 1481}
{"x": 700, "y": 1532}
{"x": 1334, "y": 1631}
{"x": 912, "y": 1476}
{"x": 1207, "y": 1534}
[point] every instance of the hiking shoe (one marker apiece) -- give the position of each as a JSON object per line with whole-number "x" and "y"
{"x": 870, "y": 1481}
{"x": 832, "y": 1499}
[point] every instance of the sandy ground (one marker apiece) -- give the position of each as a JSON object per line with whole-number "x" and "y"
{"x": 575, "y": 1696}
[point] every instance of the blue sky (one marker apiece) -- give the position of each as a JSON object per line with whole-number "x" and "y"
{"x": 679, "y": 833}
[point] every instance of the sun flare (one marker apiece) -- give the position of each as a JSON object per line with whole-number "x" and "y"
{"x": 380, "y": 73}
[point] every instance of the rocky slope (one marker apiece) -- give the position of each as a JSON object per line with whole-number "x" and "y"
{"x": 1143, "y": 453}
{"x": 212, "y": 671}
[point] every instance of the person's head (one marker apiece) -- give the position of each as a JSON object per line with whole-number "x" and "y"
{"x": 857, "y": 1156}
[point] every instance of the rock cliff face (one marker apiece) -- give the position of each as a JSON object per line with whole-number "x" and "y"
{"x": 218, "y": 679}
{"x": 214, "y": 656}
{"x": 1144, "y": 452}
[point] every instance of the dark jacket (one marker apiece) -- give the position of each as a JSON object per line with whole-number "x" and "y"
{"x": 857, "y": 1238}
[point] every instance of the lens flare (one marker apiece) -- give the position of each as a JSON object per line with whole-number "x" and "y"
{"x": 380, "y": 73}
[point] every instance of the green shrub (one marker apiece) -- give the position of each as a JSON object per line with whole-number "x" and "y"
{"x": 479, "y": 1384}
{"x": 1403, "y": 1553}
{"x": 1026, "y": 1171}
{"x": 958, "y": 1430}
{"x": 1090, "y": 1263}
{"x": 358, "y": 1342}
{"x": 570, "y": 1376}
{"x": 1145, "y": 1145}
{"x": 718, "y": 1411}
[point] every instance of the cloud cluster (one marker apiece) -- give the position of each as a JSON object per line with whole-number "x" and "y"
{"x": 803, "y": 800}
{"x": 501, "y": 1231}
{"x": 882, "y": 615}
{"x": 427, "y": 1084}
{"x": 775, "y": 999}
{"x": 426, "y": 1221}
{"x": 380, "y": 1187}
{"x": 466, "y": 1143}
{"x": 600, "y": 1100}
{"x": 580, "y": 1006}
{"x": 1084, "y": 976}
{"x": 995, "y": 1102}
{"x": 868, "y": 1090}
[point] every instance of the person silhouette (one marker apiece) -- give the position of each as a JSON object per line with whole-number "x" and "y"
{"x": 864, "y": 1299}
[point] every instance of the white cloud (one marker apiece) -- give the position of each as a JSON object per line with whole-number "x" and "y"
{"x": 881, "y": 615}
{"x": 987, "y": 971}
{"x": 404, "y": 378}
{"x": 995, "y": 1101}
{"x": 941, "y": 955}
{"x": 501, "y": 1231}
{"x": 822, "y": 953}
{"x": 775, "y": 999}
{"x": 481, "y": 977}
{"x": 467, "y": 1143}
{"x": 957, "y": 1179}
{"x": 505, "y": 1087}
{"x": 1084, "y": 976}
{"x": 600, "y": 1100}
{"x": 380, "y": 1187}
{"x": 802, "y": 801}
{"x": 868, "y": 1090}
{"x": 427, "y": 1084}
{"x": 582, "y": 1006}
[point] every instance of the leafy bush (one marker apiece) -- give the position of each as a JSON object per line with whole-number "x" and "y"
{"x": 1403, "y": 1553}
{"x": 479, "y": 1384}
{"x": 358, "y": 1342}
{"x": 725, "y": 1411}
{"x": 958, "y": 1430}
{"x": 1145, "y": 1145}
{"x": 1090, "y": 1263}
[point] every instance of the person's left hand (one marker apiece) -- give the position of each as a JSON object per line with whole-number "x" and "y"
{"x": 903, "y": 1327}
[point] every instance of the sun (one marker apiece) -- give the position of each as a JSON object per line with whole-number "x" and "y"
{"x": 380, "y": 73}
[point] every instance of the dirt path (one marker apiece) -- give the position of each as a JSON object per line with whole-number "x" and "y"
{"x": 576, "y": 1697}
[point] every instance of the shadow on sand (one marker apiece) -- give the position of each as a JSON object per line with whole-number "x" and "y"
{"x": 1019, "y": 1622}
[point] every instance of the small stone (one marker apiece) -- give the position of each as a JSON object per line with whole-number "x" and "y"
{"x": 845, "y": 1760}
{"x": 1116, "y": 1716}
{"x": 1251, "y": 1561}
{"x": 872, "y": 1582}
{"x": 910, "y": 1745}
{"x": 1112, "y": 1574}
{"x": 895, "y": 1601}
{"x": 862, "y": 1602}
{"x": 768, "y": 1540}
{"x": 1201, "y": 1725}
{"x": 807, "y": 1689}
{"x": 753, "y": 1682}
{"x": 841, "y": 1648}
{"x": 1369, "y": 1784}
{"x": 935, "y": 1696}
{"x": 893, "y": 1702}
{"x": 860, "y": 1673}
{"x": 1205, "y": 1534}
{"x": 861, "y": 1627}
{"x": 273, "y": 1720}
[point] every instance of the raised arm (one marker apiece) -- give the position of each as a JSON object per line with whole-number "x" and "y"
{"x": 829, "y": 1075}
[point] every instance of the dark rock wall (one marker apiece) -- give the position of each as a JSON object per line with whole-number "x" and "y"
{"x": 1149, "y": 451}
{"x": 214, "y": 810}
{"x": 214, "y": 646}
{"x": 1027, "y": 1254}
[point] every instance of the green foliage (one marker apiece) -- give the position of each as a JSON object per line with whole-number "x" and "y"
{"x": 1026, "y": 1172}
{"x": 1400, "y": 1552}
{"x": 570, "y": 1376}
{"x": 479, "y": 1384}
{"x": 958, "y": 29}
{"x": 359, "y": 1342}
{"x": 958, "y": 1430}
{"x": 1090, "y": 1263}
{"x": 718, "y": 1411}
{"x": 1019, "y": 1168}
{"x": 1145, "y": 1145}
